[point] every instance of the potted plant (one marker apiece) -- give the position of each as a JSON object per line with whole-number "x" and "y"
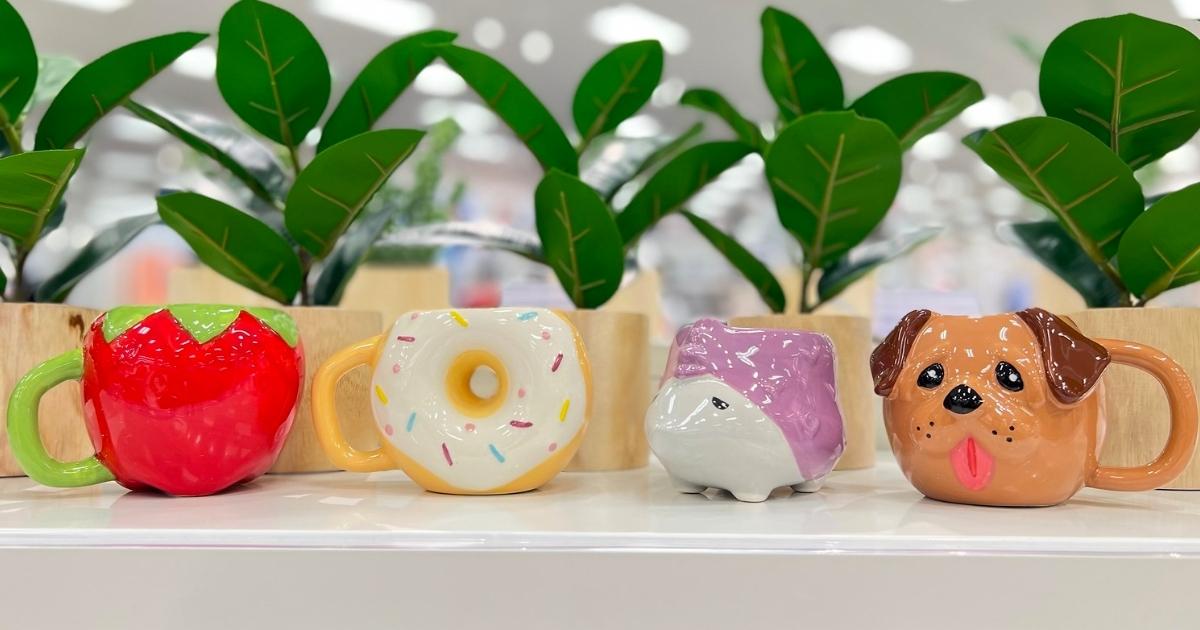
{"x": 304, "y": 235}
{"x": 834, "y": 171}
{"x": 585, "y": 241}
{"x": 1119, "y": 93}
{"x": 33, "y": 182}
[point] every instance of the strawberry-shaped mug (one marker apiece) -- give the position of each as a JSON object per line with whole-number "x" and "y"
{"x": 186, "y": 399}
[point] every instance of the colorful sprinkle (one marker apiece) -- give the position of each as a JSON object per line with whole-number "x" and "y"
{"x": 413, "y": 316}
{"x": 396, "y": 368}
{"x": 521, "y": 424}
{"x": 412, "y": 419}
{"x": 496, "y": 453}
{"x": 456, "y": 316}
{"x": 406, "y": 338}
{"x": 546, "y": 335}
{"x": 562, "y": 413}
{"x": 470, "y": 427}
{"x": 521, "y": 393}
{"x": 557, "y": 362}
{"x": 387, "y": 428}
{"x": 382, "y": 396}
{"x": 526, "y": 316}
{"x": 553, "y": 447}
{"x": 446, "y": 454}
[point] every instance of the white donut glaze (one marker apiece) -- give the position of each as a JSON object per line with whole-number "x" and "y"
{"x": 542, "y": 407}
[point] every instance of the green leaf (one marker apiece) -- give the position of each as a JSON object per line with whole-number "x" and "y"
{"x": 31, "y": 189}
{"x": 1161, "y": 249}
{"x": 751, "y": 268}
{"x": 204, "y": 322}
{"x": 834, "y": 176}
{"x": 3, "y": 282}
{"x": 334, "y": 188}
{"x": 104, "y": 84}
{"x": 1060, "y": 166}
{"x": 344, "y": 260}
{"x": 103, "y": 246}
{"x": 1049, "y": 242}
{"x": 713, "y": 102}
{"x": 638, "y": 157}
{"x": 234, "y": 244}
{"x": 261, "y": 173}
{"x": 380, "y": 83}
{"x": 799, "y": 75}
{"x": 271, "y": 71}
{"x": 616, "y": 87}
{"x": 470, "y": 233}
{"x": 18, "y": 64}
{"x": 856, "y": 264}
{"x": 580, "y": 239}
{"x": 1130, "y": 81}
{"x": 916, "y": 104}
{"x": 675, "y": 183}
{"x": 516, "y": 105}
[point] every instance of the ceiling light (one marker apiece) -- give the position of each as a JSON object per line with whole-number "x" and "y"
{"x": 992, "y": 111}
{"x": 640, "y": 126}
{"x": 629, "y": 22}
{"x": 99, "y": 6}
{"x": 197, "y": 63}
{"x": 870, "y": 49}
{"x": 390, "y": 17}
{"x": 935, "y": 146}
{"x": 1187, "y": 9}
{"x": 437, "y": 79}
{"x": 536, "y": 46}
{"x": 489, "y": 33}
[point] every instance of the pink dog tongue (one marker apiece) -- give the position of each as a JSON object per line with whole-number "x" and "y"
{"x": 972, "y": 465}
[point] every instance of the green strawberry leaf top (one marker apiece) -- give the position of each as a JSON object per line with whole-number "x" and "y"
{"x": 203, "y": 321}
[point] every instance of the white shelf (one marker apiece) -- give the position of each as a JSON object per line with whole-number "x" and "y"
{"x": 622, "y": 550}
{"x": 870, "y": 511}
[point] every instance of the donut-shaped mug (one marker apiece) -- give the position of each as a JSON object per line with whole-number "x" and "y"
{"x": 470, "y": 401}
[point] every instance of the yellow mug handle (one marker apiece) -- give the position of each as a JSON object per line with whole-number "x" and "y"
{"x": 324, "y": 406}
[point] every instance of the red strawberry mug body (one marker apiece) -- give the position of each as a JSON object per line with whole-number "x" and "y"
{"x": 188, "y": 400}
{"x": 1007, "y": 409}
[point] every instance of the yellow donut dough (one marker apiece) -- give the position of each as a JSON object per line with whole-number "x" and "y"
{"x": 481, "y": 401}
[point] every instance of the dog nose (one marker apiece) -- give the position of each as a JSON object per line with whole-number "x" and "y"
{"x": 962, "y": 399}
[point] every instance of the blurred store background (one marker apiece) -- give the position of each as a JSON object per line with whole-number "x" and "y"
{"x": 971, "y": 266}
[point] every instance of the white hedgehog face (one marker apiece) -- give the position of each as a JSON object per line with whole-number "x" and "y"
{"x": 475, "y": 400}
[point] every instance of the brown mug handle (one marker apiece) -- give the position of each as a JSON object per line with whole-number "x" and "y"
{"x": 1181, "y": 441}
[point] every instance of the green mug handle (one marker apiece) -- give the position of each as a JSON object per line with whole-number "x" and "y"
{"x": 26, "y": 440}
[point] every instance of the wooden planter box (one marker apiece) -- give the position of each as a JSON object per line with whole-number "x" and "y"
{"x": 617, "y": 346}
{"x": 856, "y": 395}
{"x": 30, "y": 334}
{"x": 1136, "y": 410}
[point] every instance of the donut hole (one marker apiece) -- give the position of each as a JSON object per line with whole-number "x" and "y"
{"x": 476, "y": 383}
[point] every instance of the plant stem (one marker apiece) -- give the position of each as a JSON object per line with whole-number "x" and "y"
{"x": 294, "y": 156}
{"x": 306, "y": 263}
{"x": 806, "y": 276}
{"x": 18, "y": 279}
{"x": 12, "y": 136}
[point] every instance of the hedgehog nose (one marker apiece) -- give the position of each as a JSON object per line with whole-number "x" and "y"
{"x": 962, "y": 399}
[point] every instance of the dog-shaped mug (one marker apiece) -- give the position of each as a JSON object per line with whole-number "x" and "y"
{"x": 1007, "y": 409}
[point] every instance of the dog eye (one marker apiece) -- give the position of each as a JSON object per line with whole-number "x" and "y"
{"x": 719, "y": 404}
{"x": 931, "y": 376}
{"x": 1008, "y": 377}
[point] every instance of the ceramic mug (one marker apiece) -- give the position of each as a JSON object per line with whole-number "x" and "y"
{"x": 185, "y": 399}
{"x": 472, "y": 401}
{"x": 747, "y": 410}
{"x": 1009, "y": 409}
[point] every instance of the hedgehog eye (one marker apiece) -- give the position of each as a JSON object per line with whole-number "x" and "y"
{"x": 719, "y": 404}
{"x": 931, "y": 376}
{"x": 1008, "y": 377}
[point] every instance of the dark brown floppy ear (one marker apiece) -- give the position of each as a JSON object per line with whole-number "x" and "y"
{"x": 888, "y": 359}
{"x": 1073, "y": 362}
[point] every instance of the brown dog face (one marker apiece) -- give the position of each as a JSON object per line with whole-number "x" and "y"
{"x": 991, "y": 410}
